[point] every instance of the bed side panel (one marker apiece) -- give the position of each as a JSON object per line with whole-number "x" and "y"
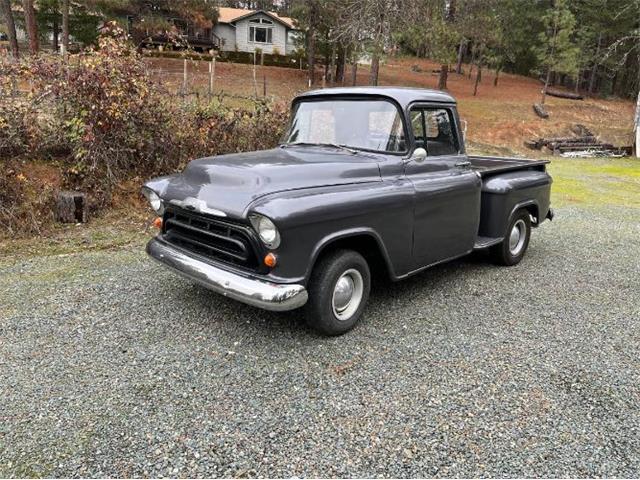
{"x": 502, "y": 193}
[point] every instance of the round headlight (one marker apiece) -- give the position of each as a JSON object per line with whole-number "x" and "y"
{"x": 266, "y": 230}
{"x": 154, "y": 200}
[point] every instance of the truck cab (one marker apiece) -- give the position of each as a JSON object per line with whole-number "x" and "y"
{"x": 366, "y": 181}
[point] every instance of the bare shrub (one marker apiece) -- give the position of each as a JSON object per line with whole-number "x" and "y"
{"x": 104, "y": 122}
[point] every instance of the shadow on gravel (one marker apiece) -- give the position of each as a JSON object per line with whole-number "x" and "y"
{"x": 238, "y": 319}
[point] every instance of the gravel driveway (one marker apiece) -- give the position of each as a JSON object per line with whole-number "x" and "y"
{"x": 112, "y": 366}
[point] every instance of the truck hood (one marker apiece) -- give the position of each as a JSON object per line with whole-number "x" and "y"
{"x": 230, "y": 183}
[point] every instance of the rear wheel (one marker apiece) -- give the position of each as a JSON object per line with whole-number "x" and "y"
{"x": 512, "y": 249}
{"x": 338, "y": 292}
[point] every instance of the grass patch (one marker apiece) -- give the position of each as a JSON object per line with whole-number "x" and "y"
{"x": 595, "y": 182}
{"x": 115, "y": 229}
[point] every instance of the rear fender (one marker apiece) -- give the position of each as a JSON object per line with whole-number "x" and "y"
{"x": 504, "y": 194}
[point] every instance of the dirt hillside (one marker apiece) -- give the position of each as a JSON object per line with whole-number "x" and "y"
{"x": 499, "y": 118}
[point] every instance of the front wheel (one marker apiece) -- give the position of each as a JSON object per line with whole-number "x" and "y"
{"x": 338, "y": 292}
{"x": 512, "y": 249}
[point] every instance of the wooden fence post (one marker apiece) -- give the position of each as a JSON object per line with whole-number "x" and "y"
{"x": 184, "y": 78}
{"x": 255, "y": 81}
{"x": 264, "y": 86}
{"x": 212, "y": 72}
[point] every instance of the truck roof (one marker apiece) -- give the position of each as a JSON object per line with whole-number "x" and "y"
{"x": 402, "y": 95}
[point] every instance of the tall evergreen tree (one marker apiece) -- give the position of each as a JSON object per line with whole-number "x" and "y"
{"x": 556, "y": 51}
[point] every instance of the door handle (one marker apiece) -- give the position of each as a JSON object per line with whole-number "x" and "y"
{"x": 465, "y": 163}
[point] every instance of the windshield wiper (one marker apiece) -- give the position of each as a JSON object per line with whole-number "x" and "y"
{"x": 332, "y": 145}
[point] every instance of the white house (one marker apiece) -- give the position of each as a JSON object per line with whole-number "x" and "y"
{"x": 250, "y": 30}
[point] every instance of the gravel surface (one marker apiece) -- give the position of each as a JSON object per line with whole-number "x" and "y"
{"x": 111, "y": 365}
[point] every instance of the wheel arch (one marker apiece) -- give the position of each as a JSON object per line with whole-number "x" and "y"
{"x": 362, "y": 240}
{"x": 530, "y": 206}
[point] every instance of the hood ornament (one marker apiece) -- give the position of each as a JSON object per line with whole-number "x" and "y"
{"x": 197, "y": 205}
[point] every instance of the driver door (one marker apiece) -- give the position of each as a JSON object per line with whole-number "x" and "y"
{"x": 447, "y": 191}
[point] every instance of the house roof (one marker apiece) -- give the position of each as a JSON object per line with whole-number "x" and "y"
{"x": 231, "y": 15}
{"x": 404, "y": 96}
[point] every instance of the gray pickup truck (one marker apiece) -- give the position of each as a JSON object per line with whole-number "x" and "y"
{"x": 366, "y": 182}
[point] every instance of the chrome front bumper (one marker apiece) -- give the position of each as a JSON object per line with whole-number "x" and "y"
{"x": 259, "y": 293}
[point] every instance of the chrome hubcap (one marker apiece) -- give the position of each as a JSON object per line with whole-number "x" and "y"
{"x": 347, "y": 294}
{"x": 517, "y": 237}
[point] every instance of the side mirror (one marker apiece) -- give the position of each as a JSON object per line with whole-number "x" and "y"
{"x": 419, "y": 154}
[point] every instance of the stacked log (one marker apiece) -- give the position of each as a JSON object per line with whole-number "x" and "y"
{"x": 584, "y": 141}
{"x": 567, "y": 95}
{"x": 581, "y": 130}
{"x": 555, "y": 142}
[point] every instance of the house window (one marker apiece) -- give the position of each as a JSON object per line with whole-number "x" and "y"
{"x": 259, "y": 33}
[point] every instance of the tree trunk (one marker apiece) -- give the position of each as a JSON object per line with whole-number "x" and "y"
{"x": 55, "y": 32}
{"x": 637, "y": 124}
{"x": 332, "y": 67}
{"x": 495, "y": 80}
{"x": 65, "y": 27}
{"x": 327, "y": 76}
{"x": 462, "y": 49}
{"x": 354, "y": 71}
{"x": 311, "y": 43}
{"x": 378, "y": 50}
{"x": 375, "y": 69}
{"x": 594, "y": 69}
{"x": 546, "y": 85}
{"x": 478, "y": 79}
{"x": 442, "y": 79}
{"x": 342, "y": 58}
{"x": 5, "y": 7}
{"x": 576, "y": 88}
{"x": 32, "y": 27}
{"x": 71, "y": 207}
{"x": 473, "y": 61}
{"x": 311, "y": 56}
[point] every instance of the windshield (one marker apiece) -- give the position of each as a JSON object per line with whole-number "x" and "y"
{"x": 360, "y": 124}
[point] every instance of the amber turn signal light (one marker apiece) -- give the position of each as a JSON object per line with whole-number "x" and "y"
{"x": 270, "y": 260}
{"x": 158, "y": 223}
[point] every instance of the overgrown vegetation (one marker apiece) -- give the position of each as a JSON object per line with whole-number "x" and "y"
{"x": 103, "y": 122}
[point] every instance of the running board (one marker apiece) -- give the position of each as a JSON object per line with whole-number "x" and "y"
{"x": 485, "y": 242}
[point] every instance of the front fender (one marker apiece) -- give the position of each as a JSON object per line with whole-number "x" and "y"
{"x": 311, "y": 219}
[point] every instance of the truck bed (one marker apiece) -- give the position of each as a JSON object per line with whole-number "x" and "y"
{"x": 490, "y": 165}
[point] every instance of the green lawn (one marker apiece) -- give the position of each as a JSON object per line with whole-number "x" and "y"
{"x": 595, "y": 182}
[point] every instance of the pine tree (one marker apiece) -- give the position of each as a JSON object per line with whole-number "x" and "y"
{"x": 556, "y": 51}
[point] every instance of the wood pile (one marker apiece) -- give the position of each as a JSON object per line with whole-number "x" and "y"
{"x": 583, "y": 141}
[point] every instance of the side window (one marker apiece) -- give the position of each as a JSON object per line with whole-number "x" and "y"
{"x": 417, "y": 125}
{"x": 440, "y": 133}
